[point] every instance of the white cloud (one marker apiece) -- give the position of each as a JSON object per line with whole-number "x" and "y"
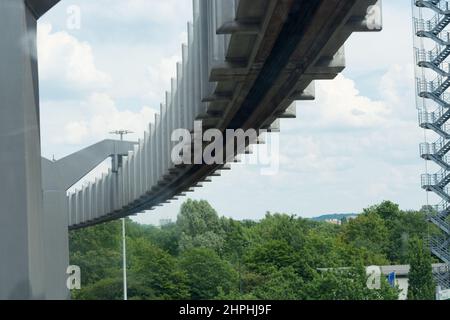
{"x": 160, "y": 75}
{"x": 101, "y": 117}
{"x": 367, "y": 52}
{"x": 76, "y": 132}
{"x": 65, "y": 60}
{"x": 338, "y": 104}
{"x": 155, "y": 11}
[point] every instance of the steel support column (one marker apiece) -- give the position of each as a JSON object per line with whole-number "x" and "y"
{"x": 21, "y": 238}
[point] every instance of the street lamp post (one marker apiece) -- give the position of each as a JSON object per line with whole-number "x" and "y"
{"x": 121, "y": 133}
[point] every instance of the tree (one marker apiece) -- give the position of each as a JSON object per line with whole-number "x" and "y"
{"x": 156, "y": 272}
{"x": 421, "y": 282}
{"x": 197, "y": 217}
{"x": 208, "y": 274}
{"x": 402, "y": 226}
{"x": 202, "y": 256}
{"x": 103, "y": 289}
{"x": 96, "y": 250}
{"x": 347, "y": 284}
{"x": 281, "y": 284}
{"x": 279, "y": 241}
{"x": 199, "y": 226}
{"x": 387, "y": 210}
{"x": 368, "y": 231}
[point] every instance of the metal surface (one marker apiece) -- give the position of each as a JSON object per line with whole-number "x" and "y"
{"x": 21, "y": 217}
{"x": 58, "y": 177}
{"x": 431, "y": 23}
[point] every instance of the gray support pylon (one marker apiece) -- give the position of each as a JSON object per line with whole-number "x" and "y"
{"x": 197, "y": 59}
{"x": 152, "y": 155}
{"x": 145, "y": 163}
{"x": 108, "y": 193}
{"x": 70, "y": 197}
{"x": 127, "y": 178}
{"x": 184, "y": 123}
{"x": 142, "y": 173}
{"x": 175, "y": 111}
{"x": 150, "y": 162}
{"x": 122, "y": 183}
{"x": 137, "y": 174}
{"x": 83, "y": 204}
{"x": 133, "y": 175}
{"x": 118, "y": 186}
{"x": 21, "y": 217}
{"x": 98, "y": 199}
{"x": 180, "y": 95}
{"x": 78, "y": 207}
{"x": 73, "y": 211}
{"x": 56, "y": 241}
{"x": 85, "y": 199}
{"x": 93, "y": 200}
{"x": 167, "y": 130}
{"x": 172, "y": 119}
{"x": 103, "y": 202}
{"x": 158, "y": 142}
{"x": 212, "y": 37}
{"x": 205, "y": 85}
{"x": 161, "y": 140}
{"x": 164, "y": 146}
{"x": 190, "y": 78}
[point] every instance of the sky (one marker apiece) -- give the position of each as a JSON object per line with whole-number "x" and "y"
{"x": 354, "y": 146}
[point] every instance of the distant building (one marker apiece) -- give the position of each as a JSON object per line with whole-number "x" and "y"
{"x": 334, "y": 221}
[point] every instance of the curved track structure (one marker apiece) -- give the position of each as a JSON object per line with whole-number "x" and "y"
{"x": 244, "y": 65}
{"x": 432, "y": 23}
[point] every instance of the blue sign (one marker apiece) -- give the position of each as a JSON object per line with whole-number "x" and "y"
{"x": 391, "y": 279}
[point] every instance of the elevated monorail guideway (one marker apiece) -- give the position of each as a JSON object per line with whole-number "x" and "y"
{"x": 245, "y": 64}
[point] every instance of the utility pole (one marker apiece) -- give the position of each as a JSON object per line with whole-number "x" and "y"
{"x": 121, "y": 133}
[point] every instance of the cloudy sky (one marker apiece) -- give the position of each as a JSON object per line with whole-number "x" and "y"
{"x": 355, "y": 146}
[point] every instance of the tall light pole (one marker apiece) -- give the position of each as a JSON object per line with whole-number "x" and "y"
{"x": 121, "y": 133}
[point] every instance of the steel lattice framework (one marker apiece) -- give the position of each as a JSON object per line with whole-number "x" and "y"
{"x": 432, "y": 48}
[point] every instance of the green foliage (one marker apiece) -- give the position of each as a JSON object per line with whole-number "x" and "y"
{"x": 203, "y": 256}
{"x": 197, "y": 217}
{"x": 347, "y": 284}
{"x": 421, "y": 282}
{"x": 97, "y": 252}
{"x": 208, "y": 274}
{"x": 199, "y": 227}
{"x": 104, "y": 289}
{"x": 368, "y": 231}
{"x": 281, "y": 284}
{"x": 156, "y": 271}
